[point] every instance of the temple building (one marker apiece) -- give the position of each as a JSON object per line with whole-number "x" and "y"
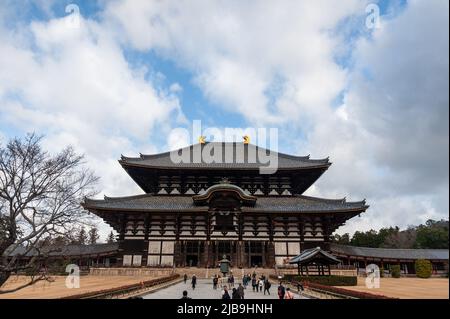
{"x": 194, "y": 212}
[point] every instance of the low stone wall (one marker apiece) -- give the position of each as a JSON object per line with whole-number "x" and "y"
{"x": 151, "y": 272}
{"x": 336, "y": 272}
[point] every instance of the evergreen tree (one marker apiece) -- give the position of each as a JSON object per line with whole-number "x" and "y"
{"x": 93, "y": 235}
{"x": 111, "y": 238}
{"x": 82, "y": 237}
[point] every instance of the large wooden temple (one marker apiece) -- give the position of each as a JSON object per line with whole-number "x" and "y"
{"x": 194, "y": 213}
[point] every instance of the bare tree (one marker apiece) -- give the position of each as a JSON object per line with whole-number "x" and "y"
{"x": 40, "y": 196}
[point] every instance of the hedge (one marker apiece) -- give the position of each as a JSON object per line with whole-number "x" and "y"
{"x": 423, "y": 268}
{"x": 395, "y": 271}
{"x": 332, "y": 280}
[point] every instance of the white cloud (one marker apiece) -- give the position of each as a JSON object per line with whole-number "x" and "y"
{"x": 392, "y": 144}
{"x": 75, "y": 86}
{"x": 236, "y": 50}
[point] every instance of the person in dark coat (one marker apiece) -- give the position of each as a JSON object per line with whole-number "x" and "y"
{"x": 185, "y": 278}
{"x": 281, "y": 291}
{"x": 235, "y": 294}
{"x": 267, "y": 285}
{"x": 240, "y": 290}
{"x": 185, "y": 295}
{"x": 254, "y": 284}
{"x": 225, "y": 294}
{"x": 194, "y": 281}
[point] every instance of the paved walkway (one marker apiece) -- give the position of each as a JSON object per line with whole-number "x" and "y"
{"x": 204, "y": 290}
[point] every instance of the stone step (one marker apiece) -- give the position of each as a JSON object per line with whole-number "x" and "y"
{"x": 210, "y": 272}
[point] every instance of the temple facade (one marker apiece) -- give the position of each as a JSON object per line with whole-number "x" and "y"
{"x": 194, "y": 212}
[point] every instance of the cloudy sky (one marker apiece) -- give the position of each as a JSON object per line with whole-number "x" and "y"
{"x": 117, "y": 77}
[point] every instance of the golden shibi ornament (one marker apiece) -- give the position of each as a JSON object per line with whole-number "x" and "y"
{"x": 246, "y": 139}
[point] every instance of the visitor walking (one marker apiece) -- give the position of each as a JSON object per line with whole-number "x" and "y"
{"x": 235, "y": 294}
{"x": 225, "y": 294}
{"x": 254, "y": 283}
{"x": 288, "y": 294}
{"x": 267, "y": 285}
{"x": 281, "y": 291}
{"x": 215, "y": 281}
{"x": 185, "y": 278}
{"x": 193, "y": 281}
{"x": 261, "y": 284}
{"x": 185, "y": 295}
{"x": 240, "y": 290}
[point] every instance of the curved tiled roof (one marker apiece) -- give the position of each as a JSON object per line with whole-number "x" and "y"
{"x": 148, "y": 202}
{"x": 202, "y": 198}
{"x": 285, "y": 161}
{"x": 309, "y": 255}
{"x": 390, "y": 253}
{"x": 67, "y": 250}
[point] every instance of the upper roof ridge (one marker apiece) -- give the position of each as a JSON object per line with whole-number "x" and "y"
{"x": 305, "y": 158}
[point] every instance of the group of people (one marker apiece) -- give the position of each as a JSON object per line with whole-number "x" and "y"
{"x": 258, "y": 284}
{"x": 284, "y": 292}
{"x": 193, "y": 280}
{"x": 236, "y": 293}
{"x": 219, "y": 281}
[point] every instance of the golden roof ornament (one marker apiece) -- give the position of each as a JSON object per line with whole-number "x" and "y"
{"x": 246, "y": 139}
{"x": 202, "y": 139}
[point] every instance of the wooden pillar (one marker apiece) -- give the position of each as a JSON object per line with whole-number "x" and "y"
{"x": 241, "y": 247}
{"x": 264, "y": 254}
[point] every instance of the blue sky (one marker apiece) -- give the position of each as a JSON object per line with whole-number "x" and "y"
{"x": 133, "y": 72}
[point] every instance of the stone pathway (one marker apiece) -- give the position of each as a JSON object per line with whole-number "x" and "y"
{"x": 204, "y": 290}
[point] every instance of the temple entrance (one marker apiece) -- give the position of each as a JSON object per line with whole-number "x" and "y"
{"x": 256, "y": 261}
{"x": 255, "y": 253}
{"x": 193, "y": 250}
{"x": 191, "y": 260}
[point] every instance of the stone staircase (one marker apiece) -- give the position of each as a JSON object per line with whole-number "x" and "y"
{"x": 202, "y": 273}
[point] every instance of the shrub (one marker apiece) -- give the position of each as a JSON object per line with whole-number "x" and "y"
{"x": 395, "y": 271}
{"x": 423, "y": 268}
{"x": 332, "y": 280}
